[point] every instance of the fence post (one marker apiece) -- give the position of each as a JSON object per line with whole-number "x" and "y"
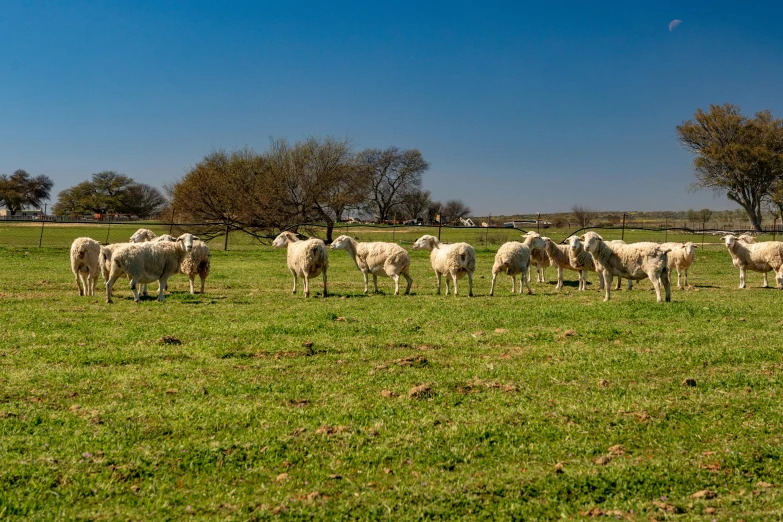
{"x": 666, "y": 233}
{"x": 225, "y": 241}
{"x": 171, "y": 225}
{"x": 40, "y": 239}
{"x": 622, "y": 237}
{"x": 393, "y": 229}
{"x": 108, "y": 229}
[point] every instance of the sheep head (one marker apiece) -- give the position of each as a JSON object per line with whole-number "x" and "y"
{"x": 729, "y": 240}
{"x": 426, "y": 242}
{"x": 341, "y": 243}
{"x": 186, "y": 241}
{"x": 573, "y": 242}
{"x": 284, "y": 238}
{"x": 142, "y": 235}
{"x": 591, "y": 241}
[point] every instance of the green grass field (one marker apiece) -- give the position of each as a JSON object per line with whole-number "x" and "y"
{"x": 251, "y": 403}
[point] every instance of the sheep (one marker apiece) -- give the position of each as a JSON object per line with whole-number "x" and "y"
{"x": 681, "y": 256}
{"x": 636, "y": 261}
{"x": 197, "y": 261}
{"x": 514, "y": 258}
{"x": 539, "y": 259}
{"x": 559, "y": 257}
{"x": 85, "y": 253}
{"x": 385, "y": 259}
{"x": 165, "y": 237}
{"x": 147, "y": 262}
{"x": 142, "y": 235}
{"x": 759, "y": 257}
{"x": 581, "y": 260}
{"x": 306, "y": 259}
{"x": 455, "y": 260}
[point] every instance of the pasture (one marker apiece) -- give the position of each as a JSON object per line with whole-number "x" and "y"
{"x": 250, "y": 403}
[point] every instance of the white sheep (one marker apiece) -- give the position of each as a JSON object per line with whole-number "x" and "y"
{"x": 142, "y": 235}
{"x": 377, "y": 258}
{"x": 681, "y": 256}
{"x": 559, "y": 257}
{"x": 759, "y": 257}
{"x": 165, "y": 237}
{"x": 636, "y": 261}
{"x": 538, "y": 259}
{"x": 455, "y": 261}
{"x": 582, "y": 261}
{"x": 306, "y": 259}
{"x": 514, "y": 258}
{"x": 147, "y": 262}
{"x": 196, "y": 262}
{"x": 85, "y": 264}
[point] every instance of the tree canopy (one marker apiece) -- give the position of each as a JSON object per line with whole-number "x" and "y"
{"x": 108, "y": 192}
{"x": 736, "y": 155}
{"x": 21, "y": 190}
{"x": 395, "y": 173}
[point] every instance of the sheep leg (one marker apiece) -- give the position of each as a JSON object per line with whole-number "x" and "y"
{"x": 375, "y": 282}
{"x": 134, "y": 287}
{"x": 109, "y": 285}
{"x": 454, "y": 279}
{"x": 667, "y": 284}
{"x": 619, "y": 282}
{"x": 779, "y": 279}
{"x": 559, "y": 278}
{"x": 630, "y": 285}
{"x": 494, "y": 277}
{"x": 203, "y": 278}
{"x": 447, "y": 284}
{"x": 366, "y": 287}
{"x": 607, "y": 283}
{"x": 294, "y": 274}
{"x": 742, "y": 277}
{"x": 324, "y": 278}
{"x": 766, "y": 282}
{"x": 79, "y": 282}
{"x": 306, "y": 285}
{"x": 470, "y": 285}
{"x": 514, "y": 284}
{"x": 161, "y": 287}
{"x": 396, "y": 278}
{"x": 686, "y": 277}
{"x": 525, "y": 271}
{"x": 410, "y": 281}
{"x": 192, "y": 278}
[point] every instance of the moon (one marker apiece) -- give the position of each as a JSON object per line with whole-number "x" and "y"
{"x": 673, "y": 25}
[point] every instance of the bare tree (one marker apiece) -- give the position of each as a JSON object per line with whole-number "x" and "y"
{"x": 453, "y": 210}
{"x": 583, "y": 216}
{"x": 395, "y": 173}
{"x": 415, "y": 204}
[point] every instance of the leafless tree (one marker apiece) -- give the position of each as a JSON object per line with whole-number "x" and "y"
{"x": 583, "y": 216}
{"x": 453, "y": 210}
{"x": 395, "y": 173}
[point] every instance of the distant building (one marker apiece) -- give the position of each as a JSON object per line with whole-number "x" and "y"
{"x": 21, "y": 214}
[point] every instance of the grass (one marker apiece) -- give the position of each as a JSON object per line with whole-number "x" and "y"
{"x": 249, "y": 403}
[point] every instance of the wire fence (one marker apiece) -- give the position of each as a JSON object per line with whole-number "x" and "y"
{"x": 60, "y": 234}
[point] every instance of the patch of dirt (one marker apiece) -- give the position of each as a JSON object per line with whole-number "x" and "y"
{"x": 420, "y": 392}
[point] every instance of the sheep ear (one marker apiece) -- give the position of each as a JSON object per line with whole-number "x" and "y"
{"x": 195, "y": 238}
{"x": 695, "y": 246}
{"x": 581, "y": 238}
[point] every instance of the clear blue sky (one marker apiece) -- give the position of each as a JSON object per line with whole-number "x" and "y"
{"x": 519, "y": 107}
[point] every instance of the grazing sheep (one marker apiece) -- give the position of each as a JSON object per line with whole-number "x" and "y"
{"x": 539, "y": 259}
{"x": 384, "y": 259}
{"x": 582, "y": 261}
{"x": 196, "y": 262}
{"x": 759, "y": 257}
{"x": 455, "y": 260}
{"x": 636, "y": 261}
{"x": 681, "y": 256}
{"x": 142, "y": 235}
{"x": 306, "y": 259}
{"x": 514, "y": 258}
{"x": 85, "y": 263}
{"x": 148, "y": 262}
{"x": 560, "y": 258}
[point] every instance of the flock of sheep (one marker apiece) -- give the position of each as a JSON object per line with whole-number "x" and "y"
{"x": 587, "y": 253}
{"x": 148, "y": 258}
{"x": 145, "y": 259}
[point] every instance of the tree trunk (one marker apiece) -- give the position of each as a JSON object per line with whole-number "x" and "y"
{"x": 329, "y": 229}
